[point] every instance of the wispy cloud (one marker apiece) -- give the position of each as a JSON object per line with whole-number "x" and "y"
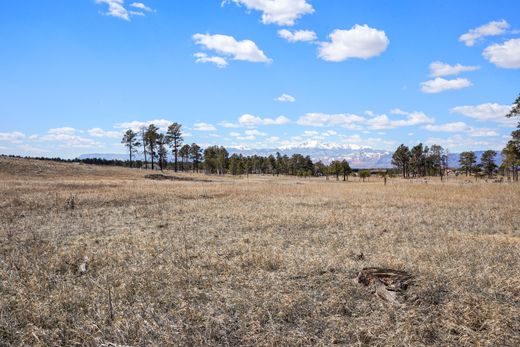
{"x": 137, "y": 125}
{"x": 98, "y": 132}
{"x": 349, "y": 121}
{"x": 13, "y": 137}
{"x": 142, "y": 7}
{"x": 286, "y": 98}
{"x": 204, "y": 58}
{"x": 493, "y": 28}
{"x": 439, "y": 84}
{"x": 204, "y": 127}
{"x": 249, "y": 120}
{"x": 66, "y": 137}
{"x": 439, "y": 69}
{"x": 298, "y": 35}
{"x": 116, "y": 8}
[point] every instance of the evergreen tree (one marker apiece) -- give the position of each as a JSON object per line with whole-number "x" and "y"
{"x": 515, "y": 110}
{"x": 363, "y": 174}
{"x": 184, "y": 152}
{"x": 142, "y": 133}
{"x": 131, "y": 143}
{"x": 174, "y": 136}
{"x": 466, "y": 161}
{"x": 401, "y": 159}
{"x": 335, "y": 168}
{"x": 417, "y": 161}
{"x": 151, "y": 136}
{"x": 195, "y": 156}
{"x": 162, "y": 152}
{"x": 488, "y": 162}
{"x": 345, "y": 169}
{"x": 511, "y": 159}
{"x": 439, "y": 160}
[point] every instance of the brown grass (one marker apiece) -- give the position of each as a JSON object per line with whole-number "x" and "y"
{"x": 258, "y": 261}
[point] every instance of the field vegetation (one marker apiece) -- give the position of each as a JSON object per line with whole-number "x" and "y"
{"x": 103, "y": 256}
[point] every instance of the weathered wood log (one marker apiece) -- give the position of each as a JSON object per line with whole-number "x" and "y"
{"x": 388, "y": 283}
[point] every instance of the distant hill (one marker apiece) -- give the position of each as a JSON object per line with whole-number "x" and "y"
{"x": 359, "y": 157}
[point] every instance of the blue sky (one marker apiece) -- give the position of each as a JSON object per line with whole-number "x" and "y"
{"x": 257, "y": 73}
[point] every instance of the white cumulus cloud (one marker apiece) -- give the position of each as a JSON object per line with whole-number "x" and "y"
{"x": 439, "y": 69}
{"x": 505, "y": 55}
{"x": 245, "y": 50}
{"x": 298, "y": 35}
{"x": 359, "y": 42}
{"x": 412, "y": 118}
{"x": 281, "y": 12}
{"x": 488, "y": 112}
{"x": 286, "y": 98}
{"x": 493, "y": 28}
{"x": 439, "y": 84}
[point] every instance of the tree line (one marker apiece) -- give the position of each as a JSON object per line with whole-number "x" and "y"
{"x": 418, "y": 161}
{"x": 156, "y": 147}
{"x": 433, "y": 161}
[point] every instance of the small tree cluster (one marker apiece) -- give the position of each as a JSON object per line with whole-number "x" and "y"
{"x": 421, "y": 160}
{"x": 155, "y": 146}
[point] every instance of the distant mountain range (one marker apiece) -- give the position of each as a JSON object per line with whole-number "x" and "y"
{"x": 359, "y": 157}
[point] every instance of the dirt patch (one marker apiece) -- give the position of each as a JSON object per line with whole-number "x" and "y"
{"x": 163, "y": 177}
{"x": 159, "y": 177}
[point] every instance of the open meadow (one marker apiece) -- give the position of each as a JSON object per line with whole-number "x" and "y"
{"x": 101, "y": 256}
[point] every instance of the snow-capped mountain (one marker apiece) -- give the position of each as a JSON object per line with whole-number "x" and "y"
{"x": 315, "y": 144}
{"x": 359, "y": 157}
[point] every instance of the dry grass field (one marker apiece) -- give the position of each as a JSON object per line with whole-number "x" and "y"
{"x": 252, "y": 261}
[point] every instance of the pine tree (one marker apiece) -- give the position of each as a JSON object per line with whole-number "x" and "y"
{"x": 184, "y": 152}
{"x": 131, "y": 143}
{"x": 162, "y": 152}
{"x": 401, "y": 159}
{"x": 174, "y": 136}
{"x": 195, "y": 156}
{"x": 335, "y": 168}
{"x": 488, "y": 162}
{"x": 151, "y": 136}
{"x": 345, "y": 169}
{"x": 515, "y": 110}
{"x": 467, "y": 160}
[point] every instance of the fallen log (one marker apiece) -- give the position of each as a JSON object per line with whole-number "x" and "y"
{"x": 387, "y": 283}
